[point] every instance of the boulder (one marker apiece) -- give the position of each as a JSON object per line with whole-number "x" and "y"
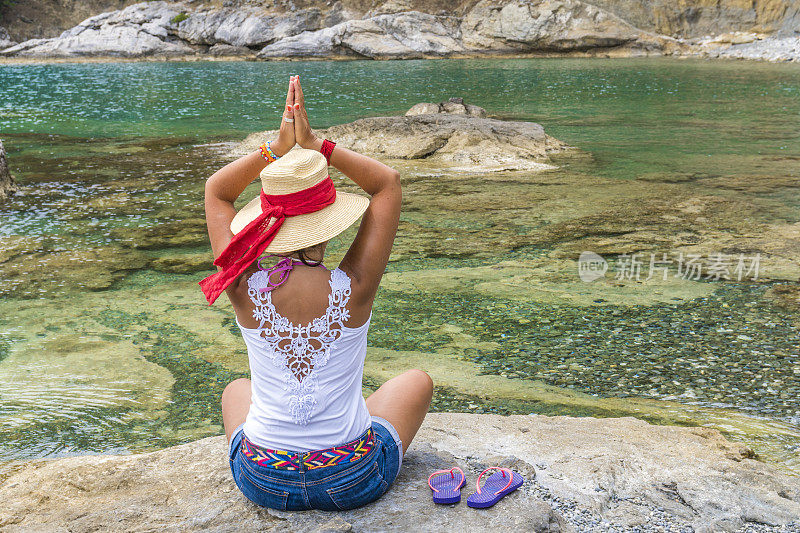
{"x": 423, "y": 108}
{"x": 321, "y": 43}
{"x": 403, "y": 35}
{"x": 581, "y": 474}
{"x": 248, "y": 27}
{"x": 7, "y": 185}
{"x": 452, "y": 142}
{"x": 453, "y": 106}
{"x": 551, "y": 25}
{"x": 449, "y": 138}
{"x": 227, "y": 50}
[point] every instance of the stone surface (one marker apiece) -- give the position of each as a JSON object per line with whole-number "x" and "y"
{"x": 227, "y": 50}
{"x": 399, "y": 31}
{"x": 490, "y": 27}
{"x": 402, "y": 28}
{"x": 770, "y": 49}
{"x": 400, "y": 35}
{"x": 136, "y": 31}
{"x": 555, "y": 25}
{"x": 190, "y": 232}
{"x": 246, "y": 27}
{"x": 697, "y": 18}
{"x": 450, "y": 137}
{"x": 5, "y": 39}
{"x": 32, "y": 267}
{"x": 183, "y": 263}
{"x": 453, "y": 106}
{"x": 579, "y": 472}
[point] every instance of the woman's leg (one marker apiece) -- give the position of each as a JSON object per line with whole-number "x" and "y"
{"x": 403, "y": 401}
{"x": 235, "y": 404}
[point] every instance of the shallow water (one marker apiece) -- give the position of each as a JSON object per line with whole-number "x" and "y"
{"x": 106, "y": 343}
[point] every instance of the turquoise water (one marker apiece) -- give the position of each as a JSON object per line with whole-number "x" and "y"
{"x": 604, "y": 106}
{"x": 111, "y": 160}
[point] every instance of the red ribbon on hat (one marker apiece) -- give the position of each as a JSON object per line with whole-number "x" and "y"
{"x": 247, "y": 245}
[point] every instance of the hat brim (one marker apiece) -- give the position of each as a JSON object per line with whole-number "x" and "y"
{"x": 301, "y": 231}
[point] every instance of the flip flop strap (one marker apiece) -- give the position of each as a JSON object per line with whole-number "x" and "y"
{"x": 445, "y": 472}
{"x": 503, "y": 470}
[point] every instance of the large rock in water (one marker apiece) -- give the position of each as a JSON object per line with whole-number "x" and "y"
{"x": 6, "y": 180}
{"x": 578, "y": 471}
{"x": 454, "y": 135}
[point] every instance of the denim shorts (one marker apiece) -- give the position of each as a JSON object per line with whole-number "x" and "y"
{"x": 332, "y": 488}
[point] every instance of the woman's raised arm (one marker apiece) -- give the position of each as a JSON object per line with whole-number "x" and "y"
{"x": 367, "y": 257}
{"x": 226, "y": 184}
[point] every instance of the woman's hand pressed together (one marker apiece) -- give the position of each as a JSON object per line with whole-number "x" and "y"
{"x": 304, "y": 136}
{"x": 226, "y": 184}
{"x": 286, "y": 136}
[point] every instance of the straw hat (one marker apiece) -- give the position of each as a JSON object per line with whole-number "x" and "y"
{"x": 297, "y": 170}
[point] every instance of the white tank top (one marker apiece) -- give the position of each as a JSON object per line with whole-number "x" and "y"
{"x": 306, "y": 379}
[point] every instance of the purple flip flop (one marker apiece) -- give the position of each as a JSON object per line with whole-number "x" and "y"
{"x": 497, "y": 485}
{"x": 447, "y": 488}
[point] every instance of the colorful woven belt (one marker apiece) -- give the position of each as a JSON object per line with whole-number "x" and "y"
{"x": 345, "y": 453}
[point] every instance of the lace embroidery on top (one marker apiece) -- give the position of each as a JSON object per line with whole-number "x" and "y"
{"x": 300, "y": 351}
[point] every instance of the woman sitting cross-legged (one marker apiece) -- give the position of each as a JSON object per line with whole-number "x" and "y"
{"x": 301, "y": 434}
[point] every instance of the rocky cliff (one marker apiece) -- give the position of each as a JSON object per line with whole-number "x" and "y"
{"x": 404, "y": 28}
{"x": 390, "y": 31}
{"x": 582, "y": 474}
{"x": 29, "y": 19}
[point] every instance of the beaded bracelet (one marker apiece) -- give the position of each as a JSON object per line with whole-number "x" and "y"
{"x": 267, "y": 153}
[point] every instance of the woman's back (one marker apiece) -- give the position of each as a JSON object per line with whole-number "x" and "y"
{"x": 306, "y": 361}
{"x": 301, "y": 434}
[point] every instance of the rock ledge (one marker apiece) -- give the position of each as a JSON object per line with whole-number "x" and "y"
{"x": 579, "y": 472}
{"x": 451, "y": 135}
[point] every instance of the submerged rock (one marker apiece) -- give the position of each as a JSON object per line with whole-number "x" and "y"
{"x": 451, "y": 134}
{"x": 37, "y": 267}
{"x": 579, "y": 472}
{"x": 184, "y": 263}
{"x": 7, "y": 185}
{"x": 190, "y": 232}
